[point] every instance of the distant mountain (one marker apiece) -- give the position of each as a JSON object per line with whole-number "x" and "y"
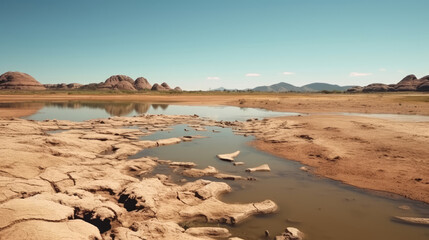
{"x": 313, "y": 87}
{"x": 279, "y": 87}
{"x": 325, "y": 86}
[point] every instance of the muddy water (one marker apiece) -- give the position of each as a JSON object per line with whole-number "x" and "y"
{"x": 321, "y": 208}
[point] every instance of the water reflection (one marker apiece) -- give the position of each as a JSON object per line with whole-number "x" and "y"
{"x": 113, "y": 108}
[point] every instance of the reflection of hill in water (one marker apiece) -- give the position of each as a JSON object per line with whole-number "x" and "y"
{"x": 19, "y": 109}
{"x": 162, "y": 106}
{"x": 113, "y": 108}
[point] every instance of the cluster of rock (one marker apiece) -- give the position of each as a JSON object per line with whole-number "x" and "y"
{"x": 76, "y": 184}
{"x": 123, "y": 82}
{"x": 23, "y": 81}
{"x": 63, "y": 86}
{"x": 408, "y": 83}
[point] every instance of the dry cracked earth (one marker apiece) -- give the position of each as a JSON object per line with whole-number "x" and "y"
{"x": 73, "y": 180}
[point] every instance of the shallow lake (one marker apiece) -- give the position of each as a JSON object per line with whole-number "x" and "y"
{"x": 321, "y": 208}
{"x": 85, "y": 110}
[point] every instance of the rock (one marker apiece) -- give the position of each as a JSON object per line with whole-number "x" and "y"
{"x": 165, "y": 86}
{"x": 376, "y": 87}
{"x": 291, "y": 233}
{"x": 113, "y": 80}
{"x": 228, "y": 156}
{"x": 212, "y": 232}
{"x": 238, "y": 163}
{"x": 262, "y": 168}
{"x": 168, "y": 141}
{"x": 229, "y": 177}
{"x": 18, "y": 210}
{"x": 177, "y": 89}
{"x": 404, "y": 207}
{"x": 408, "y": 83}
{"x": 356, "y": 89}
{"x": 157, "y": 87}
{"x": 412, "y": 220}
{"x": 183, "y": 164}
{"x": 295, "y": 232}
{"x": 19, "y": 81}
{"x": 208, "y": 171}
{"x": 213, "y": 189}
{"x": 119, "y": 82}
{"x": 39, "y": 229}
{"x": 63, "y": 86}
{"x": 100, "y": 137}
{"x": 216, "y": 211}
{"x": 152, "y": 229}
{"x": 74, "y": 85}
{"x": 124, "y": 85}
{"x": 141, "y": 83}
{"x": 304, "y": 168}
{"x": 424, "y": 85}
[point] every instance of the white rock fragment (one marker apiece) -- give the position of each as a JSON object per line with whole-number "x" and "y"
{"x": 262, "y": 168}
{"x": 228, "y": 156}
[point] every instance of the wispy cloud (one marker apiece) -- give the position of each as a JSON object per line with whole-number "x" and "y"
{"x": 382, "y": 69}
{"x": 357, "y": 74}
{"x": 213, "y": 78}
{"x": 253, "y": 75}
{"x": 288, "y": 73}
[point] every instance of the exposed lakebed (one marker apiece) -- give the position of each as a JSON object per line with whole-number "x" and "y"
{"x": 321, "y": 208}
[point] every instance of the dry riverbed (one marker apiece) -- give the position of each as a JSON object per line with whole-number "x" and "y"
{"x": 86, "y": 164}
{"x": 77, "y": 183}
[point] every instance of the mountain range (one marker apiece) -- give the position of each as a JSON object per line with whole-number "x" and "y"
{"x": 286, "y": 87}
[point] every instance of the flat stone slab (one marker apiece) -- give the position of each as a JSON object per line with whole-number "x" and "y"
{"x": 228, "y": 156}
{"x": 412, "y": 220}
{"x": 215, "y": 232}
{"x": 17, "y": 210}
{"x": 168, "y": 141}
{"x": 262, "y": 168}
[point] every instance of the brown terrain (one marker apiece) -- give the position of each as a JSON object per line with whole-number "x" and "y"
{"x": 83, "y": 165}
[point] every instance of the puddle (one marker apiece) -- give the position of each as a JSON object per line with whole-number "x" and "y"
{"x": 321, "y": 208}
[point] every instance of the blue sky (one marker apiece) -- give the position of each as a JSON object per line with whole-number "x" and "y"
{"x": 202, "y": 44}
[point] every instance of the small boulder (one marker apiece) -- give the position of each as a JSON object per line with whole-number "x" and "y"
{"x": 228, "y": 156}
{"x": 262, "y": 168}
{"x": 211, "y": 232}
{"x": 412, "y": 220}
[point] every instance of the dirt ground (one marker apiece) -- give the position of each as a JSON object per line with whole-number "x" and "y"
{"x": 381, "y": 154}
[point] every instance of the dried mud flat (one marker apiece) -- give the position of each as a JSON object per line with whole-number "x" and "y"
{"x": 77, "y": 183}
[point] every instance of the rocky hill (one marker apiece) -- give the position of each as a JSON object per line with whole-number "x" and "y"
{"x": 408, "y": 83}
{"x": 123, "y": 82}
{"x": 19, "y": 81}
{"x": 23, "y": 81}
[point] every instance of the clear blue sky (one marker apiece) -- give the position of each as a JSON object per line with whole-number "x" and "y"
{"x": 203, "y": 44}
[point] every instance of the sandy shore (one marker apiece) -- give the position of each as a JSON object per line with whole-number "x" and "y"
{"x": 370, "y": 153}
